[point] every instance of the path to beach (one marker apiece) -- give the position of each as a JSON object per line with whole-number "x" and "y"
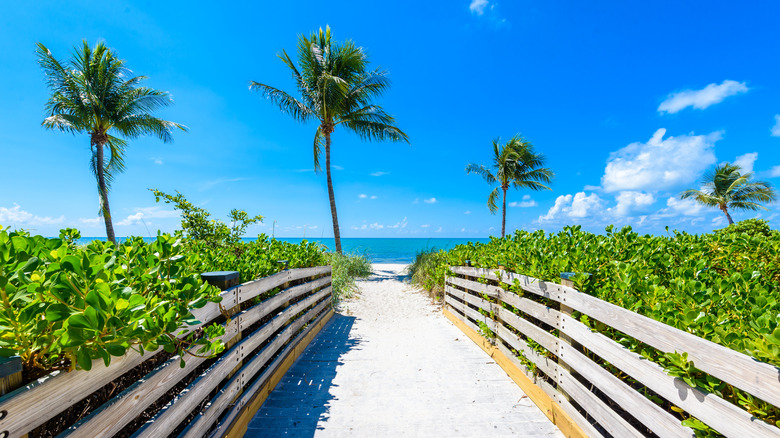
{"x": 389, "y": 364}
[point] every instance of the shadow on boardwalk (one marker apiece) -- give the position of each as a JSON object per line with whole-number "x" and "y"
{"x": 300, "y": 401}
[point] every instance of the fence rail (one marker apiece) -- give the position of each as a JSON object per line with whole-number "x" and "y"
{"x": 289, "y": 319}
{"x": 573, "y": 374}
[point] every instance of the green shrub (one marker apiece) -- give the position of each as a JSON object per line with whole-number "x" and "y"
{"x": 346, "y": 268}
{"x": 428, "y": 271}
{"x": 751, "y": 227}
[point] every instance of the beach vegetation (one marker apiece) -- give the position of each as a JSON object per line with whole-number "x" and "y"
{"x": 346, "y": 269}
{"x": 727, "y": 188}
{"x": 513, "y": 164}
{"x": 428, "y": 271}
{"x": 336, "y": 87}
{"x": 95, "y": 93}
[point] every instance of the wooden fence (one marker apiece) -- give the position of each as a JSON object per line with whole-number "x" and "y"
{"x": 572, "y": 385}
{"x": 263, "y": 338}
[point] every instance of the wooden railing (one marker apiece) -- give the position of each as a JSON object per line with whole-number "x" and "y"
{"x": 573, "y": 377}
{"x": 263, "y": 339}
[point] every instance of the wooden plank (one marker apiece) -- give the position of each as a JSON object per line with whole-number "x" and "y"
{"x": 542, "y": 337}
{"x": 719, "y": 414}
{"x": 661, "y": 422}
{"x": 548, "y": 366}
{"x": 543, "y": 313}
{"x": 258, "y": 312}
{"x": 604, "y": 415}
{"x": 235, "y": 423}
{"x": 551, "y": 409}
{"x": 491, "y": 291}
{"x": 251, "y": 289}
{"x": 489, "y": 274}
{"x": 471, "y": 313}
{"x": 471, "y": 299}
{"x": 204, "y": 421}
{"x": 174, "y": 413}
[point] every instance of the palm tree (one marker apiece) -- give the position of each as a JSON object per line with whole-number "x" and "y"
{"x": 728, "y": 188}
{"x": 515, "y": 164}
{"x": 336, "y": 88}
{"x": 95, "y": 93}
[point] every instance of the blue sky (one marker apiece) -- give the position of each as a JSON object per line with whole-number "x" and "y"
{"x": 631, "y": 102}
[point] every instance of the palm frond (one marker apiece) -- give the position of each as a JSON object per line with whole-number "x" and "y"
{"x": 284, "y": 101}
{"x": 482, "y": 171}
{"x": 491, "y": 202}
{"x": 318, "y": 139}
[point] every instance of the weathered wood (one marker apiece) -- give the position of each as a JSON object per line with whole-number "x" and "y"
{"x": 551, "y": 409}
{"x": 204, "y": 421}
{"x": 548, "y": 366}
{"x": 719, "y": 414}
{"x": 491, "y": 291}
{"x": 471, "y": 313}
{"x": 543, "y": 313}
{"x": 661, "y": 422}
{"x": 10, "y": 374}
{"x": 540, "y": 336}
{"x": 469, "y": 298}
{"x": 174, "y": 413}
{"x": 258, "y": 312}
{"x": 234, "y": 423}
{"x": 604, "y": 415}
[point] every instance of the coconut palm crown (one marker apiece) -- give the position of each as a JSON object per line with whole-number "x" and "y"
{"x": 94, "y": 92}
{"x": 514, "y": 164}
{"x": 727, "y": 187}
{"x": 336, "y": 88}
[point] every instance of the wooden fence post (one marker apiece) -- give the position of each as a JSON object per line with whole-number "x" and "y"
{"x": 10, "y": 374}
{"x": 563, "y": 339}
{"x": 224, "y": 280}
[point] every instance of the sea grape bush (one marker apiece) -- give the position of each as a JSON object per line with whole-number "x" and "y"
{"x": 723, "y": 287}
{"x": 64, "y": 305}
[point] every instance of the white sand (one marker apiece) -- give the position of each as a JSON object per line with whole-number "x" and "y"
{"x": 400, "y": 368}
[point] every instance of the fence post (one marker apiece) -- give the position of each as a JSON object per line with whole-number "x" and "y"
{"x": 224, "y": 280}
{"x": 563, "y": 339}
{"x": 10, "y": 374}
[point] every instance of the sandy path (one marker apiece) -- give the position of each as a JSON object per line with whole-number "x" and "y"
{"x": 390, "y": 364}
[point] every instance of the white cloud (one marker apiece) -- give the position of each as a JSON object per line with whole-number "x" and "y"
{"x": 425, "y": 225}
{"x": 719, "y": 221}
{"x": 660, "y": 163}
{"x": 439, "y": 230}
{"x": 209, "y": 184}
{"x": 478, "y": 6}
{"x": 700, "y": 99}
{"x": 362, "y": 196}
{"x": 746, "y": 161}
{"x": 462, "y": 230}
{"x": 142, "y": 213}
{"x": 372, "y": 197}
{"x": 380, "y": 173}
{"x": 629, "y": 202}
{"x": 430, "y": 201}
{"x": 399, "y": 225}
{"x": 157, "y": 161}
{"x": 376, "y": 226}
{"x": 682, "y": 207}
{"x": 776, "y": 128}
{"x": 527, "y": 202}
{"x": 314, "y": 227}
{"x": 16, "y": 216}
{"x": 775, "y": 171}
{"x": 577, "y": 206}
{"x": 335, "y": 167}
{"x": 93, "y": 221}
{"x": 469, "y": 211}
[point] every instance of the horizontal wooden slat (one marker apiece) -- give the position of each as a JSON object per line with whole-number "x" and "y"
{"x": 547, "y": 365}
{"x": 553, "y": 393}
{"x": 604, "y": 415}
{"x": 650, "y": 414}
{"x": 471, "y": 313}
{"x": 471, "y": 299}
{"x": 542, "y": 337}
{"x": 203, "y": 422}
{"x": 719, "y": 414}
{"x": 175, "y": 412}
{"x": 491, "y": 291}
{"x": 258, "y": 312}
{"x": 541, "y": 312}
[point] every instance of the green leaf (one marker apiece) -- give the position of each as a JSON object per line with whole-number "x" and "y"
{"x": 57, "y": 312}
{"x": 84, "y": 361}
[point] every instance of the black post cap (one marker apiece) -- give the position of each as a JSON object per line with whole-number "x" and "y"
{"x": 221, "y": 279}
{"x": 10, "y": 366}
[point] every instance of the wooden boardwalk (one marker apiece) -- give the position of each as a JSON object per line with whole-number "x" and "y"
{"x": 391, "y": 365}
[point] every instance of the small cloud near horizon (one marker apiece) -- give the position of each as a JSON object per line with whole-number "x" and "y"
{"x": 776, "y": 128}
{"x": 380, "y": 173}
{"x": 701, "y": 99}
{"x": 430, "y": 201}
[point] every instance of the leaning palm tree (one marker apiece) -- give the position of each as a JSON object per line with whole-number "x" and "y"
{"x": 95, "y": 93}
{"x": 727, "y": 187}
{"x": 336, "y": 88}
{"x": 515, "y": 164}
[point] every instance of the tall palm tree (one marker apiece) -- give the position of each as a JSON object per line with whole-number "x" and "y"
{"x": 336, "y": 88}
{"x": 94, "y": 92}
{"x": 515, "y": 164}
{"x": 728, "y": 188}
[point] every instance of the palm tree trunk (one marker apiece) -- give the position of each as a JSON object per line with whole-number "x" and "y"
{"x": 728, "y": 216}
{"x": 331, "y": 196}
{"x": 503, "y": 216}
{"x": 104, "y": 194}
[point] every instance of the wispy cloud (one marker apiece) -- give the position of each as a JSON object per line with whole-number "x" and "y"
{"x": 746, "y": 161}
{"x": 774, "y": 172}
{"x": 142, "y": 213}
{"x": 157, "y": 160}
{"x": 430, "y": 201}
{"x": 17, "y": 217}
{"x": 425, "y": 225}
{"x": 477, "y": 7}
{"x": 701, "y": 99}
{"x": 380, "y": 173}
{"x": 776, "y": 128}
{"x": 467, "y": 212}
{"x": 525, "y": 203}
{"x": 364, "y": 196}
{"x": 209, "y": 184}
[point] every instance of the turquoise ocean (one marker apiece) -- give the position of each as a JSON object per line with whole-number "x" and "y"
{"x": 378, "y": 250}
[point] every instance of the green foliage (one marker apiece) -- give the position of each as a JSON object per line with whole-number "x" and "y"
{"x": 346, "y": 268}
{"x": 428, "y": 271}
{"x": 724, "y": 287}
{"x": 65, "y": 305}
{"x": 751, "y": 227}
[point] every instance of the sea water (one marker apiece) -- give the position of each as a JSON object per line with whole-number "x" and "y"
{"x": 378, "y": 250}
